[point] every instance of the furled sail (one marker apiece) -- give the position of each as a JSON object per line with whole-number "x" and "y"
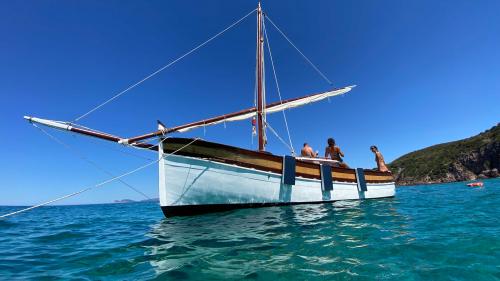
{"x": 248, "y": 113}
{"x": 236, "y": 116}
{"x": 271, "y": 108}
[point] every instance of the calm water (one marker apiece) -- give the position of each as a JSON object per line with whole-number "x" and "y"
{"x": 437, "y": 232}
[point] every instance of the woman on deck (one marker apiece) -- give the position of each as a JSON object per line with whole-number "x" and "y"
{"x": 379, "y": 159}
{"x": 333, "y": 152}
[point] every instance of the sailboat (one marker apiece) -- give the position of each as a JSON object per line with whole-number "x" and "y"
{"x": 198, "y": 176}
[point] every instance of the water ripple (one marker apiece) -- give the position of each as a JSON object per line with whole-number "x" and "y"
{"x": 437, "y": 232}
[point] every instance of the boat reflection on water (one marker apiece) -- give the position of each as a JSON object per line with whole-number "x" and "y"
{"x": 324, "y": 238}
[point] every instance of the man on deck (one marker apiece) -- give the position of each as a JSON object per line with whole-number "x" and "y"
{"x": 307, "y": 151}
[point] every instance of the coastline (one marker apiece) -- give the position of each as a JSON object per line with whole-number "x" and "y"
{"x": 449, "y": 182}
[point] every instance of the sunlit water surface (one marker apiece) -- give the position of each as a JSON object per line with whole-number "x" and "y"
{"x": 434, "y": 232}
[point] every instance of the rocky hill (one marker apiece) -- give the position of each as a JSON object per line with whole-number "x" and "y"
{"x": 467, "y": 159}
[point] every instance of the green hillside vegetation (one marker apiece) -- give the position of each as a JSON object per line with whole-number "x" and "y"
{"x": 435, "y": 161}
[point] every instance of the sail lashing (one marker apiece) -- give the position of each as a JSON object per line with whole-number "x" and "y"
{"x": 271, "y": 108}
{"x": 236, "y": 116}
{"x": 248, "y": 113}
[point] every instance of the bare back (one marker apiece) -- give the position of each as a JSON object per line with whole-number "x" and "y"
{"x": 307, "y": 151}
{"x": 334, "y": 153}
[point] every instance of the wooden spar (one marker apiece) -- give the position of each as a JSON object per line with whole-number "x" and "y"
{"x": 135, "y": 140}
{"x": 218, "y": 118}
{"x": 83, "y": 131}
{"x": 260, "y": 101}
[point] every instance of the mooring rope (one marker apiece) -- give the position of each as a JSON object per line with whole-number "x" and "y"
{"x": 97, "y": 185}
{"x": 302, "y": 54}
{"x": 163, "y": 67}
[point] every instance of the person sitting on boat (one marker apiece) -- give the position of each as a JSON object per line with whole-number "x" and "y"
{"x": 307, "y": 151}
{"x": 379, "y": 159}
{"x": 333, "y": 152}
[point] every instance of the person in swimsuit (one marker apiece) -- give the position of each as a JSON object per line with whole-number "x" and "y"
{"x": 379, "y": 159}
{"x": 307, "y": 151}
{"x": 333, "y": 152}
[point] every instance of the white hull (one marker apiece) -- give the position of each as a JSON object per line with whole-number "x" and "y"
{"x": 189, "y": 181}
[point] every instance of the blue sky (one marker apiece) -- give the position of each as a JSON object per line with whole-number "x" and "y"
{"x": 427, "y": 72}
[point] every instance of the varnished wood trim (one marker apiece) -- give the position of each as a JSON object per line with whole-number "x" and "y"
{"x": 264, "y": 161}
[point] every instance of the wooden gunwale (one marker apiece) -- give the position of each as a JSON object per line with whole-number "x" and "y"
{"x": 264, "y": 161}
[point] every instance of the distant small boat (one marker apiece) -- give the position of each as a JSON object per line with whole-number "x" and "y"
{"x": 475, "y": 184}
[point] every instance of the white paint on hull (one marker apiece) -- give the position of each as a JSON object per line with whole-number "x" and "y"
{"x": 193, "y": 181}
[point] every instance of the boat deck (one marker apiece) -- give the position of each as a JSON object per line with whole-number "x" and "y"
{"x": 264, "y": 161}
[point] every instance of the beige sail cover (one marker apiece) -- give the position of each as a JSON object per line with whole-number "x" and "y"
{"x": 275, "y": 108}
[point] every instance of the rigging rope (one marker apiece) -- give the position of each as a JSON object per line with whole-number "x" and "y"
{"x": 163, "y": 67}
{"x": 278, "y": 136}
{"x": 278, "y": 88}
{"x": 304, "y": 56}
{"x": 99, "y": 184}
{"x": 122, "y": 151}
{"x": 111, "y": 147}
{"x": 81, "y": 156}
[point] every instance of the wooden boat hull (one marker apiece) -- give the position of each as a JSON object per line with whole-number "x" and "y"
{"x": 207, "y": 177}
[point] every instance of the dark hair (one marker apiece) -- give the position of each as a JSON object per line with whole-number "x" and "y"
{"x": 331, "y": 141}
{"x": 374, "y": 147}
{"x": 305, "y": 143}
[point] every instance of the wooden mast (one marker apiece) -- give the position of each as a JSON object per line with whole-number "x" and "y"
{"x": 260, "y": 70}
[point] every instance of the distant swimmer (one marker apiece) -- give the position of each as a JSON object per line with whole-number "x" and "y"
{"x": 333, "y": 152}
{"x": 379, "y": 159}
{"x": 307, "y": 151}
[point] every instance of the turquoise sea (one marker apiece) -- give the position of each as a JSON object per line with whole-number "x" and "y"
{"x": 428, "y": 232}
